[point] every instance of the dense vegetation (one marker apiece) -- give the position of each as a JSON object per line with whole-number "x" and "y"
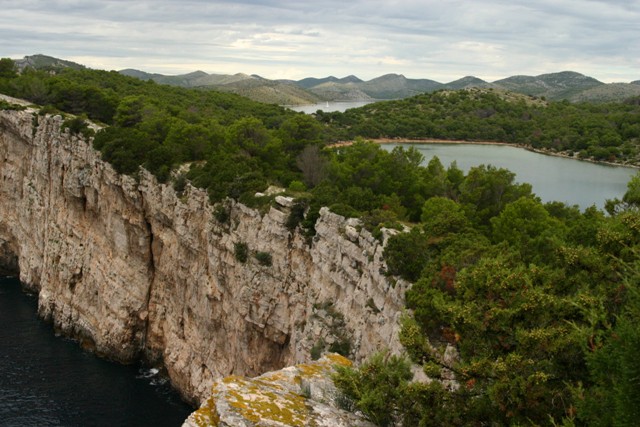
{"x": 600, "y": 131}
{"x": 159, "y": 127}
{"x": 539, "y": 301}
{"x": 527, "y": 311}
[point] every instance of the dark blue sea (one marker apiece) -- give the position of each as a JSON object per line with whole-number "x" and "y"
{"x": 48, "y": 380}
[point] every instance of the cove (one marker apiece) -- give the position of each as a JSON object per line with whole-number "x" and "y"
{"x": 328, "y": 107}
{"x": 47, "y": 380}
{"x": 570, "y": 181}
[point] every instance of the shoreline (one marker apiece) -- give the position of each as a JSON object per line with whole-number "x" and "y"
{"x": 421, "y": 141}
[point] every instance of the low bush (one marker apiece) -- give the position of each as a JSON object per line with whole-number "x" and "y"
{"x": 264, "y": 258}
{"x": 241, "y": 252}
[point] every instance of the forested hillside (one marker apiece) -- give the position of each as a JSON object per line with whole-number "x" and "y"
{"x": 527, "y": 311}
{"x": 599, "y": 131}
{"x": 161, "y": 127}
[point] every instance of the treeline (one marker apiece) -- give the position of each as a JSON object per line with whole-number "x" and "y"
{"x": 600, "y": 131}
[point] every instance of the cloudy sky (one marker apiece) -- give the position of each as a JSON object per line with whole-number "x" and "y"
{"x": 437, "y": 39}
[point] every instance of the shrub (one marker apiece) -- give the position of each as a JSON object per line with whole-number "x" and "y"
{"x": 380, "y": 218}
{"x": 375, "y": 386}
{"x": 241, "y": 251}
{"x": 180, "y": 183}
{"x": 48, "y": 109}
{"x": 221, "y": 214}
{"x": 407, "y": 254}
{"x": 77, "y": 125}
{"x": 344, "y": 402}
{"x": 297, "y": 214}
{"x": 344, "y": 210}
{"x": 305, "y": 389}
{"x": 342, "y": 347}
{"x": 4, "y": 105}
{"x": 297, "y": 186}
{"x": 264, "y": 258}
{"x": 317, "y": 349}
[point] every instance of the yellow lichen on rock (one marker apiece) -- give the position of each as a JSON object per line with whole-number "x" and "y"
{"x": 296, "y": 396}
{"x": 337, "y": 359}
{"x": 257, "y": 404}
{"x": 206, "y": 416}
{"x": 322, "y": 366}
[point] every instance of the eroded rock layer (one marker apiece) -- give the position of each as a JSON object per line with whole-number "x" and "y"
{"x": 133, "y": 269}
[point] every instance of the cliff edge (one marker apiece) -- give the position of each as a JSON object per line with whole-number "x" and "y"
{"x": 134, "y": 270}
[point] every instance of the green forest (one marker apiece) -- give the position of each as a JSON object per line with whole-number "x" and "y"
{"x": 532, "y": 307}
{"x": 594, "y": 131}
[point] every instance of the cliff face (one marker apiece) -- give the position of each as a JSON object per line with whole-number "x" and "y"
{"x": 133, "y": 269}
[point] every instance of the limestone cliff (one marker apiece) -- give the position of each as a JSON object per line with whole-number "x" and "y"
{"x": 133, "y": 269}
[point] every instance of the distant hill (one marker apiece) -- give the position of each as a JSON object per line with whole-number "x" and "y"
{"x": 193, "y": 79}
{"x": 42, "y": 62}
{"x": 606, "y": 93}
{"x": 556, "y": 86}
{"x": 310, "y": 82}
{"x": 334, "y": 91}
{"x": 251, "y": 86}
{"x": 569, "y": 85}
{"x": 139, "y": 74}
{"x": 468, "y": 82}
{"x": 394, "y": 86}
{"x": 269, "y": 91}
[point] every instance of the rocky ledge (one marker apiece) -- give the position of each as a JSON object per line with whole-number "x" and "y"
{"x": 301, "y": 395}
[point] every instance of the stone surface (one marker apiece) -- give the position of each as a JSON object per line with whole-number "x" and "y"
{"x": 286, "y": 202}
{"x": 301, "y": 395}
{"x": 133, "y": 270}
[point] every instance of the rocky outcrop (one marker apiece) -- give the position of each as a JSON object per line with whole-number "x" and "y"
{"x": 301, "y": 395}
{"x": 133, "y": 269}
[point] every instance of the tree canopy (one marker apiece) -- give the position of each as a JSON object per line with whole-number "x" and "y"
{"x": 543, "y": 320}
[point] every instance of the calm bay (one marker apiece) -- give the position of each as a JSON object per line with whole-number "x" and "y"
{"x": 328, "y": 107}
{"x": 571, "y": 181}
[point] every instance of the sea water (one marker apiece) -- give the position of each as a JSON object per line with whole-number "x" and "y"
{"x": 48, "y": 380}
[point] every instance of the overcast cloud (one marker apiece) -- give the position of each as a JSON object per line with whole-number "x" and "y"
{"x": 441, "y": 40}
